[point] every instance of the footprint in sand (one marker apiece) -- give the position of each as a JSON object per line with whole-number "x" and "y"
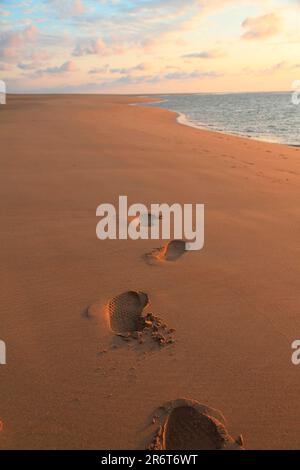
{"x": 172, "y": 251}
{"x": 125, "y": 312}
{"x": 128, "y": 320}
{"x": 146, "y": 220}
{"x": 188, "y": 425}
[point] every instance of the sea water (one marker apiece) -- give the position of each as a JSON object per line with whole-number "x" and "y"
{"x": 272, "y": 116}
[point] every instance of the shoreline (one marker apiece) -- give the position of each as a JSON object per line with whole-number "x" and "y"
{"x": 184, "y": 120}
{"x": 69, "y": 381}
{"x": 181, "y": 117}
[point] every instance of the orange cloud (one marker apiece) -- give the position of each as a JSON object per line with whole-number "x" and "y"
{"x": 78, "y": 7}
{"x": 261, "y": 26}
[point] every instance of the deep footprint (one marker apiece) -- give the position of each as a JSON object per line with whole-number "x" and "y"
{"x": 172, "y": 251}
{"x": 188, "y": 425}
{"x": 125, "y": 312}
{"x": 127, "y": 320}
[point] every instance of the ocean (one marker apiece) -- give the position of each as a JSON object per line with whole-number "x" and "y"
{"x": 270, "y": 117}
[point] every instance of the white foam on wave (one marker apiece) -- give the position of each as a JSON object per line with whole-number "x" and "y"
{"x": 184, "y": 120}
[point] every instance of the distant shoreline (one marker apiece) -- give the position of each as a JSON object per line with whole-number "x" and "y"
{"x": 184, "y": 120}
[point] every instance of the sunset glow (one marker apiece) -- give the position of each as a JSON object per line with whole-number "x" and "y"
{"x": 144, "y": 46}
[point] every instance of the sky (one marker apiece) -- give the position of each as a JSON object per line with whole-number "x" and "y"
{"x": 149, "y": 46}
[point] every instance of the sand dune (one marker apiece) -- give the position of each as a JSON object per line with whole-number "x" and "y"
{"x": 234, "y": 304}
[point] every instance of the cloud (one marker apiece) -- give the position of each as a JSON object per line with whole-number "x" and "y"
{"x": 28, "y": 66}
{"x": 89, "y": 47}
{"x": 12, "y": 43}
{"x": 69, "y": 66}
{"x": 123, "y": 71}
{"x": 67, "y": 8}
{"x": 209, "y": 54}
{"x": 175, "y": 38}
{"x": 261, "y": 26}
{"x": 33, "y": 60}
{"x": 181, "y": 75}
{"x": 30, "y": 33}
{"x": 97, "y": 46}
{"x": 78, "y": 7}
{"x": 5, "y": 67}
{"x": 276, "y": 67}
{"x": 131, "y": 80}
{"x": 38, "y": 55}
{"x": 117, "y": 70}
{"x": 279, "y": 67}
{"x": 97, "y": 70}
{"x": 4, "y": 12}
{"x": 146, "y": 24}
{"x": 173, "y": 76}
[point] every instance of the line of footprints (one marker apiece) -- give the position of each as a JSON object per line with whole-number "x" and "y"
{"x": 182, "y": 424}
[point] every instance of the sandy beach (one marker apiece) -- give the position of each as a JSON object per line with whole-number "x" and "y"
{"x": 69, "y": 382}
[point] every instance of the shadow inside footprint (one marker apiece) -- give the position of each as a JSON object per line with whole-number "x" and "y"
{"x": 188, "y": 429}
{"x": 172, "y": 251}
{"x": 125, "y": 312}
{"x": 188, "y": 425}
{"x": 128, "y": 321}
